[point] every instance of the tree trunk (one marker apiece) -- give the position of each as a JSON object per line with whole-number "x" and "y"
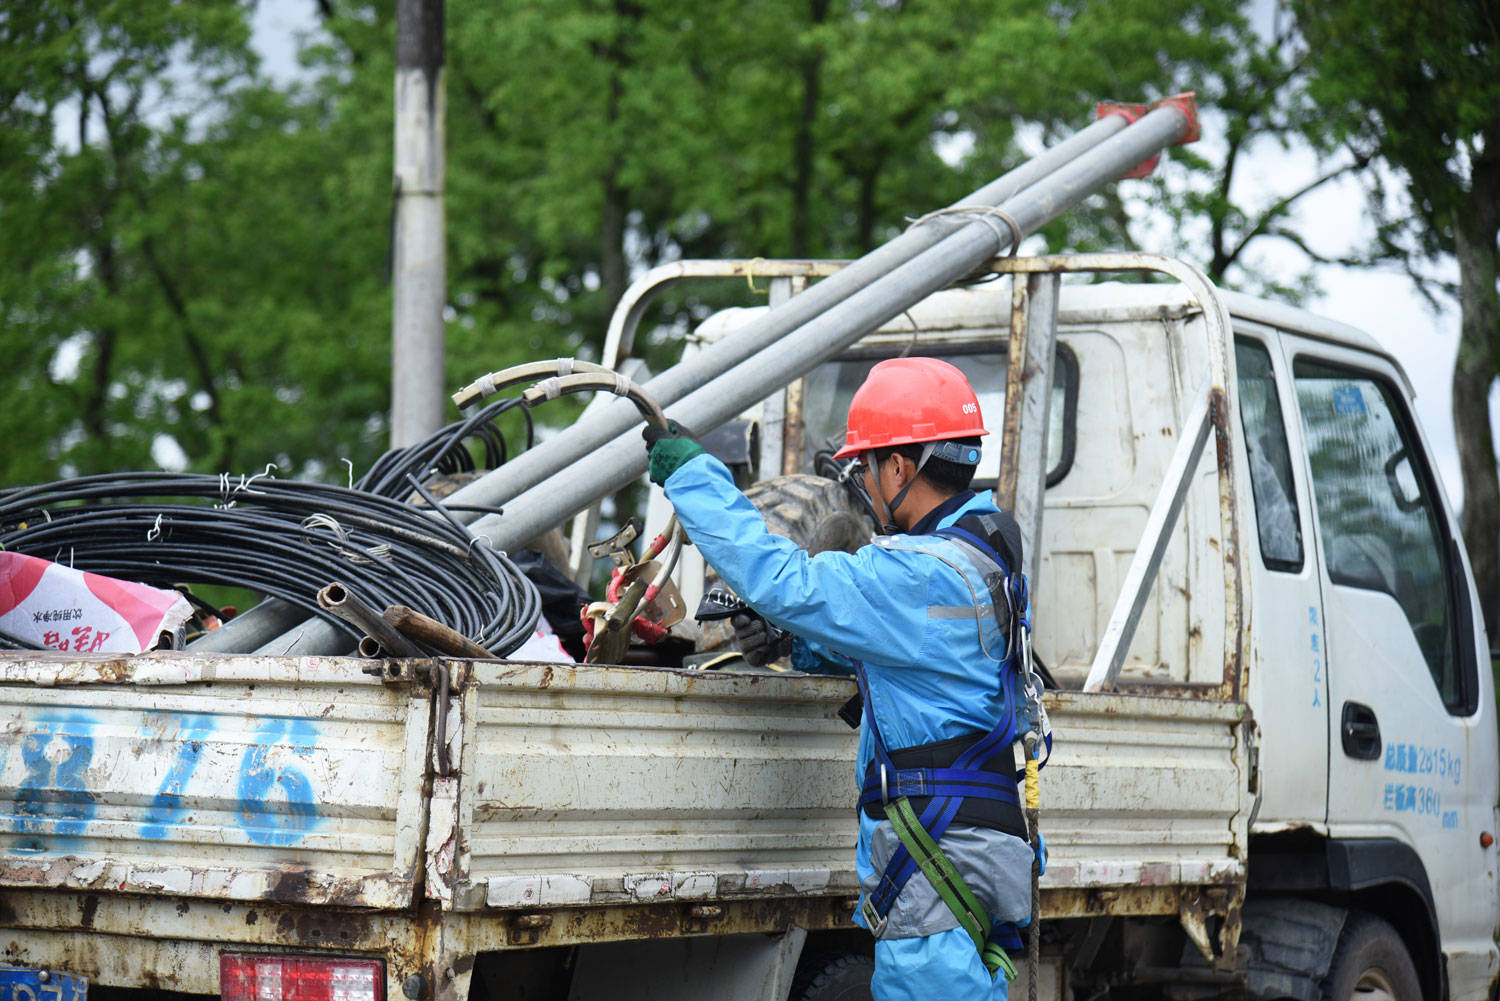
{"x": 616, "y": 206}
{"x": 803, "y": 164}
{"x": 612, "y": 243}
{"x": 1473, "y": 375}
{"x": 864, "y": 238}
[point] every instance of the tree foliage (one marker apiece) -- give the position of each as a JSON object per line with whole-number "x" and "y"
{"x": 204, "y": 263}
{"x": 185, "y": 264}
{"x": 1418, "y": 85}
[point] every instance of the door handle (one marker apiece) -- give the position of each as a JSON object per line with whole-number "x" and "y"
{"x": 1361, "y": 732}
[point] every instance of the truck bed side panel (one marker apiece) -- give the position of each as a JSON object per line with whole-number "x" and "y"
{"x": 235, "y": 778}
{"x": 608, "y": 785}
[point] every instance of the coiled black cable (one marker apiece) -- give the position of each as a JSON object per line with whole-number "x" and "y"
{"x": 445, "y": 451}
{"x": 284, "y": 538}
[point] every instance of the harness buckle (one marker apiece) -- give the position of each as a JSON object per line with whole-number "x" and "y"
{"x": 885, "y": 795}
{"x": 874, "y": 921}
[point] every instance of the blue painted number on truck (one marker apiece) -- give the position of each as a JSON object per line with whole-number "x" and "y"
{"x": 277, "y": 806}
{"x": 275, "y": 801}
{"x": 167, "y": 809}
{"x": 52, "y": 797}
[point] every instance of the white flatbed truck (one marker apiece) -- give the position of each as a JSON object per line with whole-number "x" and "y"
{"x": 1276, "y": 764}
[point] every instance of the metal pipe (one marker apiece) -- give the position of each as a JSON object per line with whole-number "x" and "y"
{"x": 251, "y": 628}
{"x": 339, "y": 600}
{"x": 539, "y": 489}
{"x": 1131, "y": 601}
{"x": 431, "y": 632}
{"x": 615, "y": 464}
{"x": 589, "y": 433}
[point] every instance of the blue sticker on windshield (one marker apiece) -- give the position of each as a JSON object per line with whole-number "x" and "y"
{"x": 1347, "y": 400}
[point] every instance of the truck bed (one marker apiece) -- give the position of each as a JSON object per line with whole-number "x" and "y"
{"x": 577, "y": 797}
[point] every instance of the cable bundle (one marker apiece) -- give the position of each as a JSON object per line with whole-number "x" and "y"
{"x": 284, "y": 538}
{"x": 442, "y": 452}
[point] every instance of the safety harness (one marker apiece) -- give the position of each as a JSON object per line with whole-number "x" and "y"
{"x": 971, "y": 779}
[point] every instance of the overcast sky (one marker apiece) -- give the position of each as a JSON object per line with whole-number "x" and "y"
{"x": 1383, "y": 303}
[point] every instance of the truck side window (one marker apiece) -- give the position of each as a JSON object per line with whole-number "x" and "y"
{"x": 1276, "y": 514}
{"x": 1379, "y": 526}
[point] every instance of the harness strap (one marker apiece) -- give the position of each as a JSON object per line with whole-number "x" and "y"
{"x": 950, "y": 886}
{"x": 994, "y": 540}
{"x": 924, "y": 782}
{"x": 935, "y": 821}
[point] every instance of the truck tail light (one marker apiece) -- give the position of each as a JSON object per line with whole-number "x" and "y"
{"x": 246, "y": 976}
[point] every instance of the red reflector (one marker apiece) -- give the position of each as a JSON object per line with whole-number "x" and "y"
{"x": 249, "y": 976}
{"x": 1486, "y": 839}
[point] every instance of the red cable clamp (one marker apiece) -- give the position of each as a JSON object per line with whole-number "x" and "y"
{"x": 1186, "y": 103}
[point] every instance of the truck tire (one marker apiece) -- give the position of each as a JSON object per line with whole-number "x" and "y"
{"x": 1286, "y": 949}
{"x": 839, "y": 976}
{"x": 814, "y": 512}
{"x": 1371, "y": 964}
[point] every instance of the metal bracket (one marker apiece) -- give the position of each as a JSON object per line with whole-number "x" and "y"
{"x": 617, "y": 546}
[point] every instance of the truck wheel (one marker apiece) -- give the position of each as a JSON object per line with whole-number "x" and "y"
{"x": 843, "y": 976}
{"x": 814, "y": 512}
{"x": 1371, "y": 964}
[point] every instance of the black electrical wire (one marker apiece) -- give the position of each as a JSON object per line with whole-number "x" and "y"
{"x": 445, "y": 451}
{"x": 284, "y": 538}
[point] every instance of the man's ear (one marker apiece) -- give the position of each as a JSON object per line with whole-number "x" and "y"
{"x": 905, "y": 468}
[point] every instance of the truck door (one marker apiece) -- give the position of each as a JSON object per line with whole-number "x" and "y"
{"x": 1288, "y": 674}
{"x": 1407, "y": 759}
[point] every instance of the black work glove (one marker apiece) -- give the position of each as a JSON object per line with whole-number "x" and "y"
{"x": 668, "y": 450}
{"x": 760, "y": 642}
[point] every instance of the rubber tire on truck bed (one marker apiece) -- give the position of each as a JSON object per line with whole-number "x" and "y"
{"x": 839, "y": 976}
{"x": 814, "y": 512}
{"x": 1286, "y": 947}
{"x": 1371, "y": 964}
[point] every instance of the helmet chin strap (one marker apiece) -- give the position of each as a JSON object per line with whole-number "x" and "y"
{"x": 888, "y": 511}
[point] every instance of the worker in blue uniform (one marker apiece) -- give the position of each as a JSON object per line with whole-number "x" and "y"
{"x": 917, "y": 615}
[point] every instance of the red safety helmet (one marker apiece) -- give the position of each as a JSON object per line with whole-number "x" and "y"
{"x": 906, "y": 400}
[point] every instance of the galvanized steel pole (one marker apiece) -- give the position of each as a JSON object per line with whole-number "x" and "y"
{"x": 419, "y": 272}
{"x": 548, "y": 484}
{"x": 608, "y": 468}
{"x": 594, "y": 430}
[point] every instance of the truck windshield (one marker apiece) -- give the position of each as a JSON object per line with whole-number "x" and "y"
{"x": 830, "y": 387}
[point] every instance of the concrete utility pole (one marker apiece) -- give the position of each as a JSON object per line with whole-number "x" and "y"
{"x": 419, "y": 273}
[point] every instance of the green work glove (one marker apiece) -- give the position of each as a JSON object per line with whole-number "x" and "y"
{"x": 669, "y": 450}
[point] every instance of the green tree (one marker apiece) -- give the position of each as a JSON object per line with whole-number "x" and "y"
{"x": 80, "y": 266}
{"x": 587, "y": 141}
{"x": 1418, "y": 84}
{"x": 189, "y": 258}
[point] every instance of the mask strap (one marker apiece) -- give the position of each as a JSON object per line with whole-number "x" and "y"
{"x": 887, "y": 521}
{"x": 888, "y": 512}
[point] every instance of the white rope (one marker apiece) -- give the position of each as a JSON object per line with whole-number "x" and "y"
{"x": 226, "y": 495}
{"x": 987, "y": 214}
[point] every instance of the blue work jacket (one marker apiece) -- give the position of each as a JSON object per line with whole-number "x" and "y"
{"x": 913, "y": 609}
